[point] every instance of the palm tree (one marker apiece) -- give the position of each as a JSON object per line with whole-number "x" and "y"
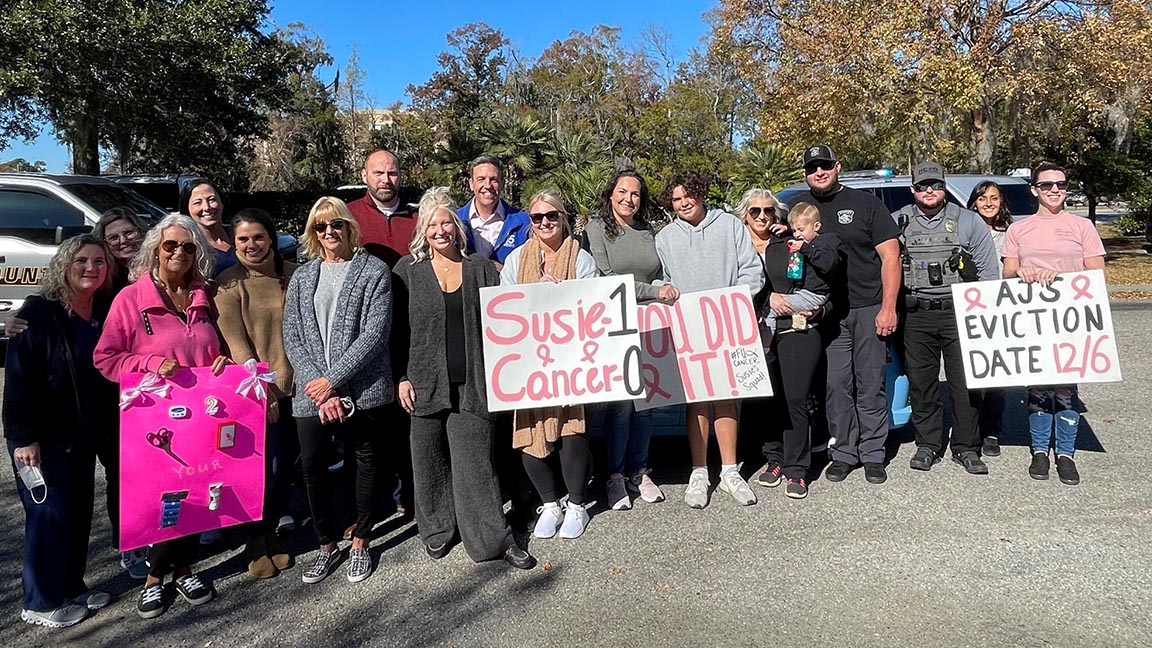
{"x": 769, "y": 166}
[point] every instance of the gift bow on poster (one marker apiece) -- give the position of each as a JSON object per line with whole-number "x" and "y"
{"x": 151, "y": 384}
{"x": 255, "y": 381}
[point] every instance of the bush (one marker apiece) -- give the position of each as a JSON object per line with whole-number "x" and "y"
{"x": 1132, "y": 224}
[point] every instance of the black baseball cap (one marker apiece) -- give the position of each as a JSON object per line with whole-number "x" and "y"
{"x": 818, "y": 153}
{"x": 926, "y": 171}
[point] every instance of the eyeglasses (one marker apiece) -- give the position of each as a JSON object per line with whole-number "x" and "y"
{"x": 823, "y": 165}
{"x": 935, "y": 185}
{"x": 337, "y": 224}
{"x": 552, "y": 217}
{"x": 1047, "y": 185}
{"x": 126, "y": 237}
{"x": 755, "y": 212}
{"x": 170, "y": 247}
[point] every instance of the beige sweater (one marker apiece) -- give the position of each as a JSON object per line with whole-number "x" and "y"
{"x": 250, "y": 300}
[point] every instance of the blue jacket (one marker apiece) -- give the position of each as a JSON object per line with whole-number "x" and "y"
{"x": 517, "y": 227}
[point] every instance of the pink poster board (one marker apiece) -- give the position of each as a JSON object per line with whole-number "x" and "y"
{"x": 174, "y": 452}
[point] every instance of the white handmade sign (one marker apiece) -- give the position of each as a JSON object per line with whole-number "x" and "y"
{"x": 704, "y": 347}
{"x": 1015, "y": 334}
{"x": 561, "y": 343}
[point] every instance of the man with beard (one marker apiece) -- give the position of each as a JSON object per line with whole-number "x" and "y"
{"x": 866, "y": 309}
{"x": 493, "y": 227}
{"x": 386, "y": 225}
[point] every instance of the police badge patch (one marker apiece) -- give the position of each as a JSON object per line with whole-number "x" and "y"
{"x": 845, "y": 216}
{"x": 949, "y": 226}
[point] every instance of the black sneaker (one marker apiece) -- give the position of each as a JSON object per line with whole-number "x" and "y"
{"x": 193, "y": 591}
{"x": 1066, "y": 470}
{"x": 875, "y": 473}
{"x": 796, "y": 488}
{"x": 971, "y": 461}
{"x": 1039, "y": 467}
{"x": 924, "y": 459}
{"x": 151, "y": 603}
{"x": 991, "y": 447}
{"x": 771, "y": 476}
{"x": 837, "y": 471}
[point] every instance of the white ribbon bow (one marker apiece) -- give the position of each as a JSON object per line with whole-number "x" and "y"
{"x": 255, "y": 381}
{"x": 151, "y": 384}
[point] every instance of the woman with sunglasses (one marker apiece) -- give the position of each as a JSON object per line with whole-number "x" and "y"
{"x": 443, "y": 389}
{"x": 200, "y": 201}
{"x": 337, "y": 316}
{"x": 58, "y": 413}
{"x": 1036, "y": 250}
{"x": 622, "y": 242}
{"x": 159, "y": 323}
{"x": 122, "y": 231}
{"x": 552, "y": 254}
{"x": 987, "y": 200}
{"x": 250, "y": 300}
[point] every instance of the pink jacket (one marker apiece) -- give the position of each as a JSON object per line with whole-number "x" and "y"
{"x": 141, "y": 332}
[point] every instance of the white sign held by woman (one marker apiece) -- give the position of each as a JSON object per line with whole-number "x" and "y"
{"x": 564, "y": 343}
{"x": 1015, "y": 334}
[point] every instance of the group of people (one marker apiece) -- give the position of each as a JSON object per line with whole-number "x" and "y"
{"x": 377, "y": 339}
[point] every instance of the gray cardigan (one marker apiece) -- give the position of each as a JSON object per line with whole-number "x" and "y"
{"x": 359, "y": 335}
{"x": 420, "y": 299}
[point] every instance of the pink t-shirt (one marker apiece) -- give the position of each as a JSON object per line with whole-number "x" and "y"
{"x": 1059, "y": 242}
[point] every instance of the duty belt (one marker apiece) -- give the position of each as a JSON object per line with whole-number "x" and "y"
{"x": 922, "y": 303}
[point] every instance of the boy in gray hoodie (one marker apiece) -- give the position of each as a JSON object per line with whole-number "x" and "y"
{"x": 703, "y": 250}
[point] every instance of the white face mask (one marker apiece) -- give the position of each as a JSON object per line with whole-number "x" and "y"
{"x": 33, "y": 478}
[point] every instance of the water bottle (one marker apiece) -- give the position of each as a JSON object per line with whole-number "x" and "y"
{"x": 795, "y": 265}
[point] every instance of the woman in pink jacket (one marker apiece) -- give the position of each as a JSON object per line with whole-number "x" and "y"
{"x": 159, "y": 323}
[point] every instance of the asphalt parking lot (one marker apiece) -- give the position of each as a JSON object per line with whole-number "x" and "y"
{"x": 928, "y": 559}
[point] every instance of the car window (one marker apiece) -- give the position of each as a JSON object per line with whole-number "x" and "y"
{"x": 34, "y": 216}
{"x": 1020, "y": 199}
{"x": 105, "y": 196}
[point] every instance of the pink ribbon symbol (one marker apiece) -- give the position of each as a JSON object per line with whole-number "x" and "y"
{"x": 972, "y": 296}
{"x": 544, "y": 354}
{"x": 1081, "y": 284}
{"x": 590, "y": 349}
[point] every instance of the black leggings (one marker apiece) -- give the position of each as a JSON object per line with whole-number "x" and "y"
{"x": 574, "y": 460}
{"x": 360, "y": 432}
{"x": 793, "y": 360}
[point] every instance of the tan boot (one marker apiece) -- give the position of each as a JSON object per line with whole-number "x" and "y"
{"x": 259, "y": 565}
{"x": 281, "y": 558}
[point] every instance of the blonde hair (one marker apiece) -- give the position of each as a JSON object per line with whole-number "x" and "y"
{"x": 757, "y": 193}
{"x": 55, "y": 285}
{"x": 553, "y": 198}
{"x": 432, "y": 202}
{"x": 802, "y": 213}
{"x": 328, "y": 209}
{"x": 147, "y": 258}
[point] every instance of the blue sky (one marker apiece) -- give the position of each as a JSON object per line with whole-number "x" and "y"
{"x": 399, "y": 42}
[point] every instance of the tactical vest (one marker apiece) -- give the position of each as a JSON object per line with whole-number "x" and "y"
{"x": 929, "y": 255}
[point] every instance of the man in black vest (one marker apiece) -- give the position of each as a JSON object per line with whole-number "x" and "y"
{"x": 943, "y": 244}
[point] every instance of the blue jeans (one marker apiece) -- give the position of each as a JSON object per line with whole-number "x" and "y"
{"x": 1048, "y": 406}
{"x": 627, "y": 430}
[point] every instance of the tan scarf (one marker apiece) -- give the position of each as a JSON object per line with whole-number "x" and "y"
{"x": 535, "y": 430}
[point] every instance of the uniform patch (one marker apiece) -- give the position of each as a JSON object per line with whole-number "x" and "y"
{"x": 845, "y": 216}
{"x": 950, "y": 226}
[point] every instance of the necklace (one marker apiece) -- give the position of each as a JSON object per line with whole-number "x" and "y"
{"x": 444, "y": 269}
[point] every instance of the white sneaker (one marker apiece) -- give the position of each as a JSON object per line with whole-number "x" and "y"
{"x": 66, "y": 615}
{"x": 696, "y": 495}
{"x": 649, "y": 491}
{"x": 732, "y": 483}
{"x": 549, "y": 521}
{"x": 618, "y": 499}
{"x": 575, "y": 521}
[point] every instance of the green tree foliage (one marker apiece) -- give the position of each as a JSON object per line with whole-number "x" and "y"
{"x": 20, "y": 165}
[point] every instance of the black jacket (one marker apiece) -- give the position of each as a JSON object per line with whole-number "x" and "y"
{"x": 823, "y": 273}
{"x": 420, "y": 302}
{"x": 41, "y": 397}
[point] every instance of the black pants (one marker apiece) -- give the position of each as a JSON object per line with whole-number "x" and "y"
{"x": 280, "y": 452}
{"x": 108, "y": 452}
{"x": 456, "y": 485}
{"x": 56, "y": 530}
{"x": 360, "y": 433}
{"x": 167, "y": 557}
{"x": 396, "y": 453}
{"x": 928, "y": 335}
{"x": 792, "y": 360}
{"x": 991, "y": 413}
{"x": 574, "y": 458}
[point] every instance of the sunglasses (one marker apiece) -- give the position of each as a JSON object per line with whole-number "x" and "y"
{"x": 337, "y": 224}
{"x": 127, "y": 236}
{"x": 823, "y": 165}
{"x": 1047, "y": 185}
{"x": 755, "y": 212}
{"x": 935, "y": 185}
{"x": 170, "y": 246}
{"x": 552, "y": 216}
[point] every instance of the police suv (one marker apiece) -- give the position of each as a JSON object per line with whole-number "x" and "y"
{"x": 38, "y": 211}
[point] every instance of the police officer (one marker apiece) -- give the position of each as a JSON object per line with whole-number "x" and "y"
{"x": 943, "y": 244}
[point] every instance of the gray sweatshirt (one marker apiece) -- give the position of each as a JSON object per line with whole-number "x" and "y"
{"x": 717, "y": 253}
{"x": 632, "y": 252}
